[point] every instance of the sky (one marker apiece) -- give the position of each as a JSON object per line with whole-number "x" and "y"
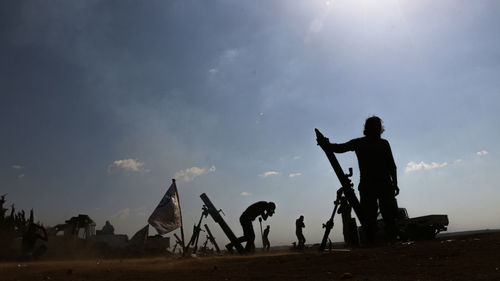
{"x": 103, "y": 103}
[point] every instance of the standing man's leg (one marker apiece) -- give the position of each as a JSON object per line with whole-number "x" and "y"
{"x": 389, "y": 210}
{"x": 369, "y": 208}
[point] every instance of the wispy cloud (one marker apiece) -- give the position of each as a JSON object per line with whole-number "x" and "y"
{"x": 127, "y": 165}
{"x": 231, "y": 54}
{"x": 226, "y": 58}
{"x": 141, "y": 211}
{"x": 244, "y": 193}
{"x": 413, "y": 166}
{"x": 482, "y": 153}
{"x": 316, "y": 25}
{"x": 121, "y": 214}
{"x": 127, "y": 212}
{"x": 20, "y": 176}
{"x": 292, "y": 175}
{"x": 268, "y": 174}
{"x": 296, "y": 157}
{"x": 190, "y": 173}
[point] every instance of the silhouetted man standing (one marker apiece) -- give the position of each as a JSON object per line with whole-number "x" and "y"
{"x": 378, "y": 183}
{"x": 261, "y": 208}
{"x": 299, "y": 224}
{"x": 265, "y": 240}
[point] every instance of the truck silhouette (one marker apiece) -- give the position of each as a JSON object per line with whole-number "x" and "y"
{"x": 411, "y": 229}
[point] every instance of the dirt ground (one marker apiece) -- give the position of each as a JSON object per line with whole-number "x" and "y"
{"x": 473, "y": 257}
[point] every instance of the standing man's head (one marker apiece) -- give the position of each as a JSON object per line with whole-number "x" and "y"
{"x": 268, "y": 226}
{"x": 301, "y": 218}
{"x": 373, "y": 127}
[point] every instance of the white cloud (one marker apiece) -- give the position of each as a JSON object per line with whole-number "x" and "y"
{"x": 482, "y": 153}
{"x": 268, "y": 174}
{"x": 20, "y": 176}
{"x": 127, "y": 165}
{"x": 292, "y": 175}
{"x": 296, "y": 157}
{"x": 16, "y": 166}
{"x": 121, "y": 214}
{"x": 458, "y": 161}
{"x": 244, "y": 193}
{"x": 190, "y": 173}
{"x": 413, "y": 166}
{"x": 212, "y": 71}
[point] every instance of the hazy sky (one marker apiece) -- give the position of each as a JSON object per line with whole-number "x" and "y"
{"x": 102, "y": 103}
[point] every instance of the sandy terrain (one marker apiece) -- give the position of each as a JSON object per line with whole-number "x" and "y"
{"x": 472, "y": 257}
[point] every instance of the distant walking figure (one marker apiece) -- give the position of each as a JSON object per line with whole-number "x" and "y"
{"x": 378, "y": 183}
{"x": 299, "y": 224}
{"x": 265, "y": 239}
{"x": 261, "y": 208}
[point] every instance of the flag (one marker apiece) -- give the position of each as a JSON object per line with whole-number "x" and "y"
{"x": 140, "y": 236}
{"x": 167, "y": 216}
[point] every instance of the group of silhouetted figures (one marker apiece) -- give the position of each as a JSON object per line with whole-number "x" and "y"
{"x": 378, "y": 188}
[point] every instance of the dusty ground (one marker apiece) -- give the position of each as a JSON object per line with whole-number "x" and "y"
{"x": 474, "y": 257}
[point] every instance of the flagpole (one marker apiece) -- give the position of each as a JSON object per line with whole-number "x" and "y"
{"x": 180, "y": 212}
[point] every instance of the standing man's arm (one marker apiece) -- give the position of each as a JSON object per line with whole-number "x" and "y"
{"x": 343, "y": 147}
{"x": 395, "y": 182}
{"x": 393, "y": 171}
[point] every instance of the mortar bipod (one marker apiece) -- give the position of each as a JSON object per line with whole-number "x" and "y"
{"x": 212, "y": 239}
{"x": 197, "y": 229}
{"x": 328, "y": 225}
{"x": 222, "y": 223}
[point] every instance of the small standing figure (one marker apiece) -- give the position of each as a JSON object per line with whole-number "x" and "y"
{"x": 265, "y": 239}
{"x": 299, "y": 224}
